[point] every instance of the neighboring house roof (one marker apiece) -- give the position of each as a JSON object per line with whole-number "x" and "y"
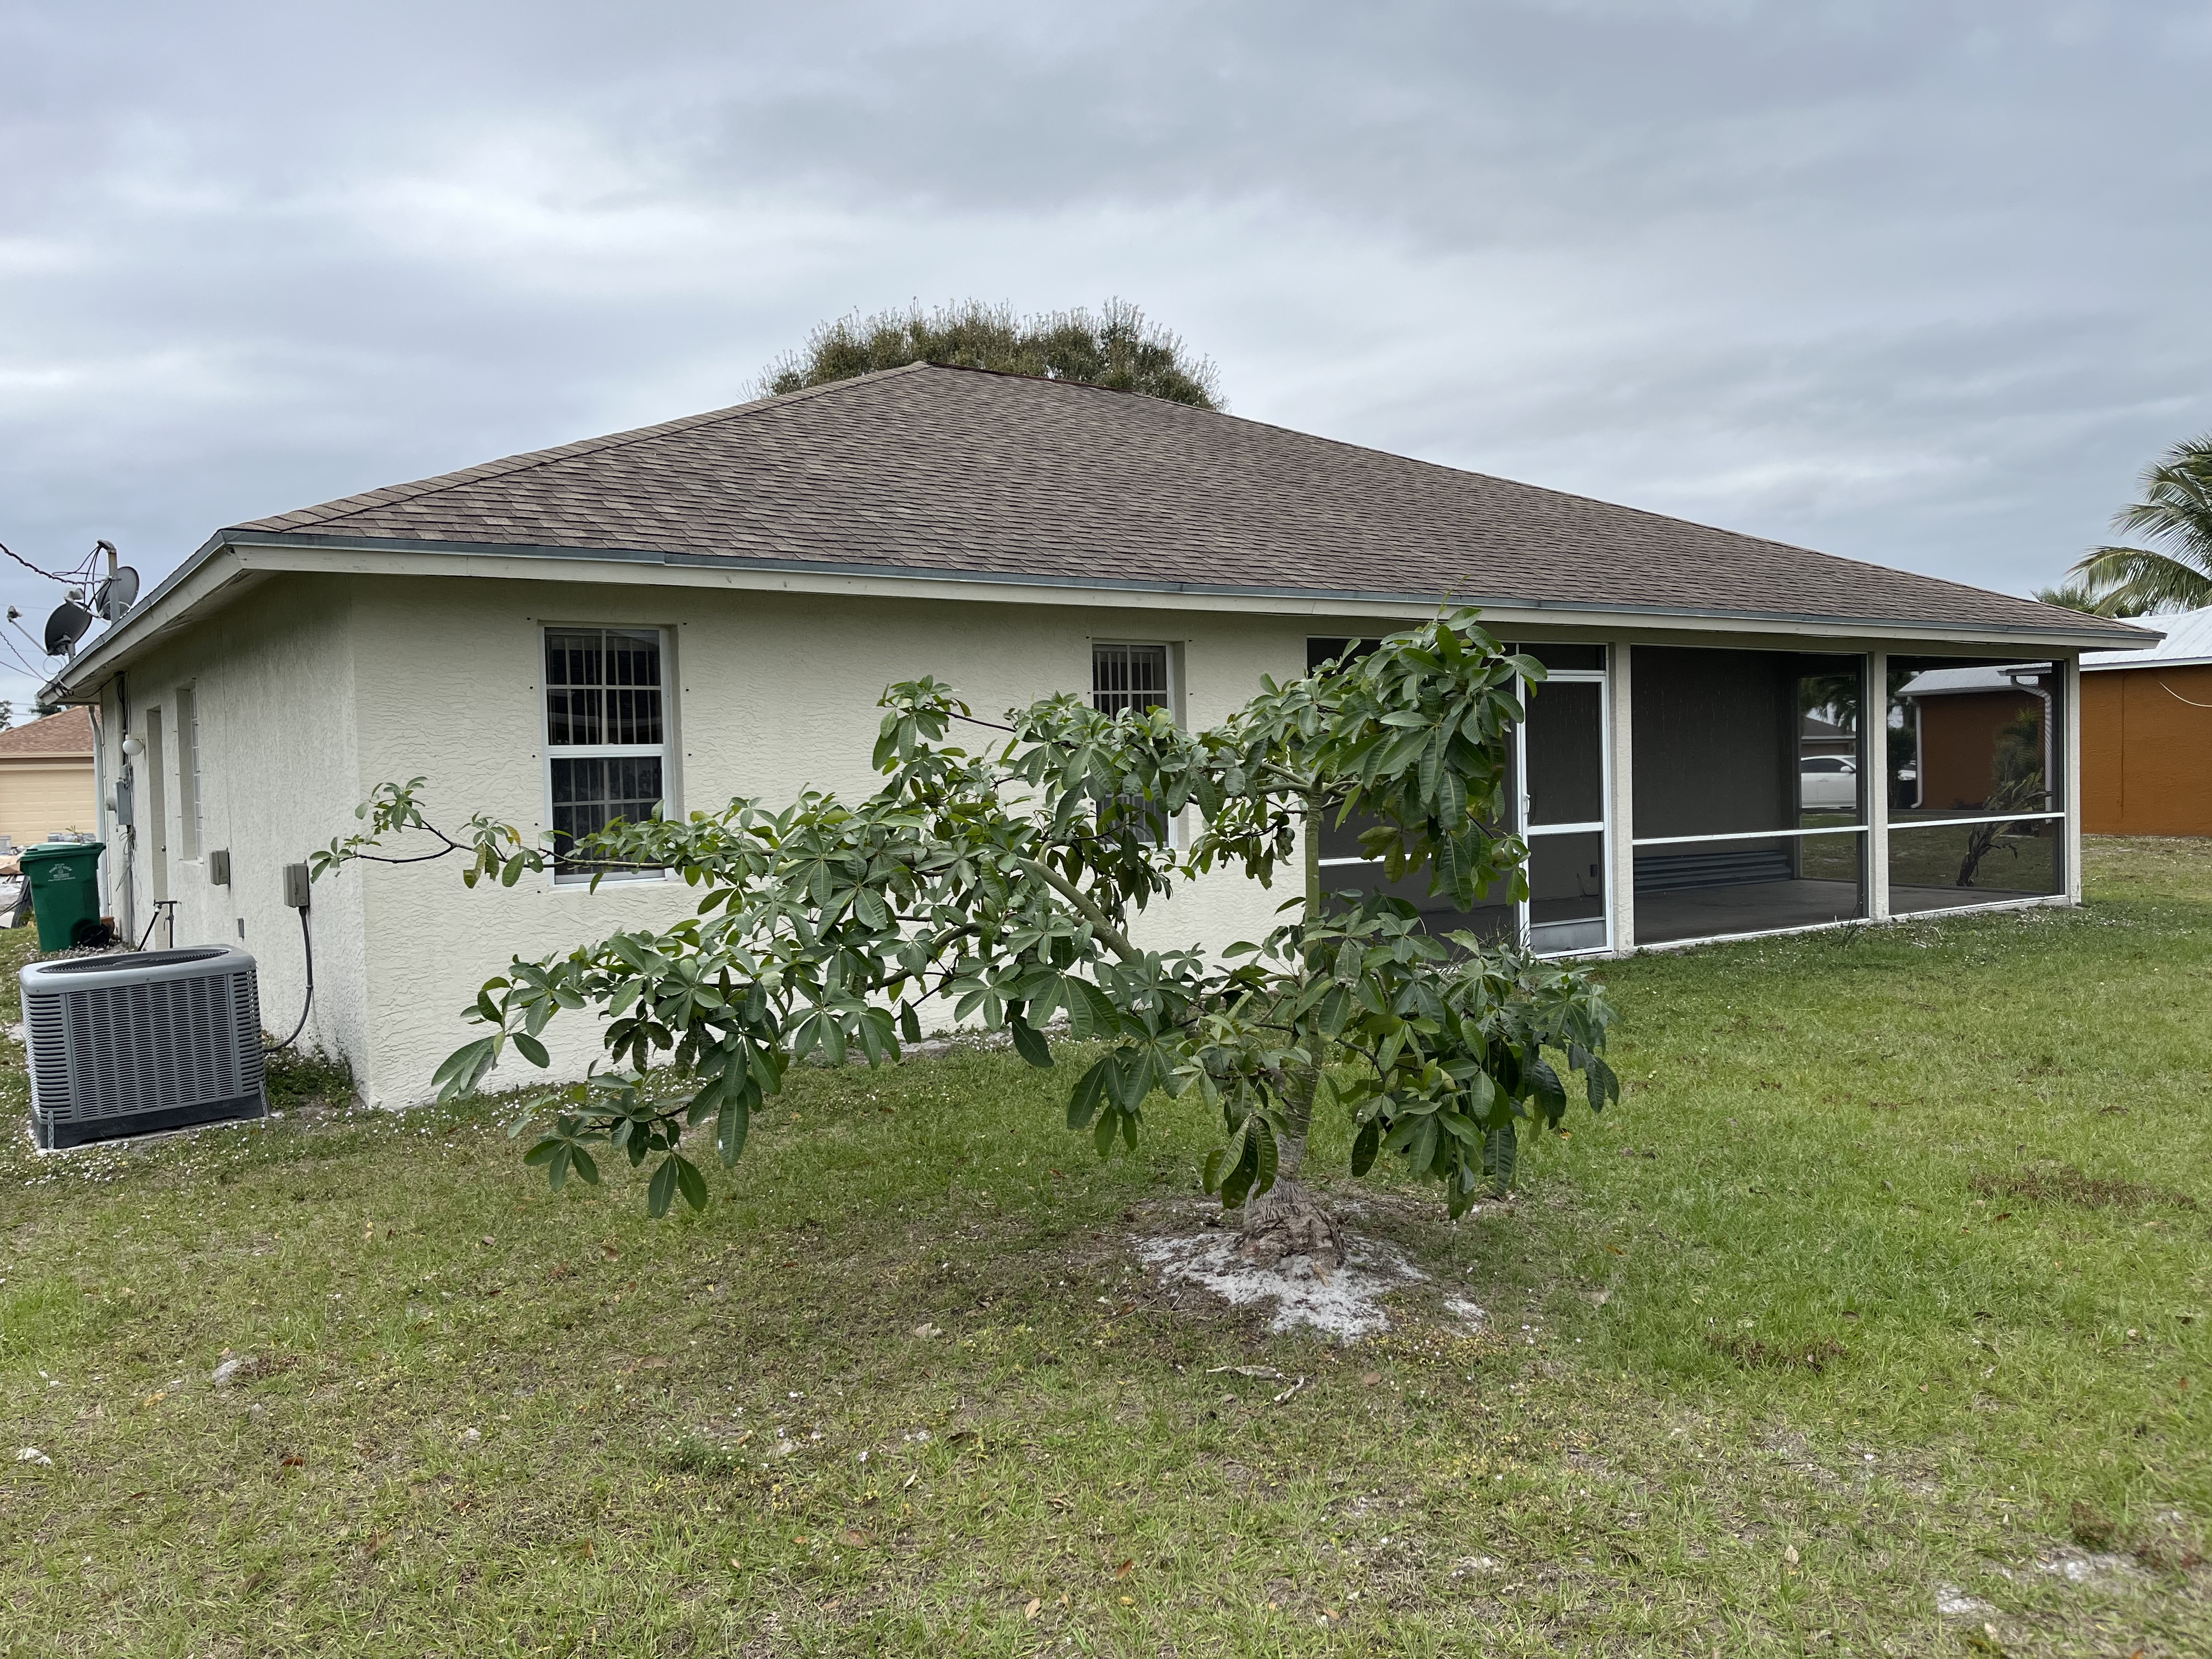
{"x": 1951, "y": 682}
{"x": 58, "y": 736}
{"x": 968, "y": 473}
{"x": 2188, "y": 641}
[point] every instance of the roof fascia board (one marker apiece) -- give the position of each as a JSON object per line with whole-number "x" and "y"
{"x": 265, "y": 549}
{"x": 226, "y": 556}
{"x": 2089, "y": 667}
{"x": 213, "y": 569}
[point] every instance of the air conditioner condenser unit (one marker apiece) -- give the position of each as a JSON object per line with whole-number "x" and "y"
{"x": 141, "y": 1041}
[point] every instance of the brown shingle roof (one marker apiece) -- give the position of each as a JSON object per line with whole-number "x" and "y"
{"x": 963, "y": 472}
{"x": 69, "y": 733}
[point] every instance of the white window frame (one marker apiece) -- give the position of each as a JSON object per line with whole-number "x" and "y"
{"x": 191, "y": 811}
{"x": 1172, "y": 657}
{"x": 664, "y": 751}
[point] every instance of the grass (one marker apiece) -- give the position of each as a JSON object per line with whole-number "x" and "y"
{"x": 1887, "y": 1282}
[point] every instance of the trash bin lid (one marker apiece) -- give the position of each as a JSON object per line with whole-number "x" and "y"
{"x": 67, "y": 849}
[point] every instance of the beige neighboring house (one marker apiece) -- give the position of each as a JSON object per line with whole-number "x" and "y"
{"x": 46, "y": 778}
{"x": 711, "y": 607}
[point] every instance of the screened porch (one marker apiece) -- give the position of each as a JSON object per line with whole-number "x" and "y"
{"x": 1674, "y": 794}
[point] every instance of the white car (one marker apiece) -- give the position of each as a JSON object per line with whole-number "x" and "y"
{"x": 1828, "y": 783}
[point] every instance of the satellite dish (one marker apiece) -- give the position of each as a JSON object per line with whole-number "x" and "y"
{"x": 66, "y": 626}
{"x": 112, "y": 599}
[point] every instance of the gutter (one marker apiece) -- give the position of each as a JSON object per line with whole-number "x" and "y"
{"x": 69, "y": 683}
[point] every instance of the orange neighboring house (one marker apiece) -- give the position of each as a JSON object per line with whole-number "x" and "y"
{"x": 1957, "y": 715}
{"x": 2147, "y": 733}
{"x": 46, "y": 783}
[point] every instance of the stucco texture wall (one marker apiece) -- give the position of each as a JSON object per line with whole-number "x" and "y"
{"x": 2146, "y": 752}
{"x": 272, "y": 678}
{"x": 776, "y": 692}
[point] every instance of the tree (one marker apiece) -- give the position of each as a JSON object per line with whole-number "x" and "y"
{"x": 2079, "y": 596}
{"x": 1003, "y": 882}
{"x": 2176, "y": 512}
{"x": 1117, "y": 347}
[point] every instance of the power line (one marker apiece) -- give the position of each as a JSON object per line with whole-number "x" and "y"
{"x": 75, "y": 581}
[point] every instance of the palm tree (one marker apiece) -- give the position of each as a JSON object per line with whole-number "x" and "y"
{"x": 2176, "y": 510}
{"x": 2080, "y": 596}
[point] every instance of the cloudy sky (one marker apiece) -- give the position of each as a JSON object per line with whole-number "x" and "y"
{"x": 1921, "y": 282}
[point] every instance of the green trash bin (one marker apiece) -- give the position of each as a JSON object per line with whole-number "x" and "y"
{"x": 65, "y": 890}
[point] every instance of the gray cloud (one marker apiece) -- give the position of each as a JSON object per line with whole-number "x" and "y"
{"x": 1919, "y": 284}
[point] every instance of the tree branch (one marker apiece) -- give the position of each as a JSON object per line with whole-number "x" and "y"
{"x": 1100, "y": 923}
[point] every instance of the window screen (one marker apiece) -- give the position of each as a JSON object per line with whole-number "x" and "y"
{"x": 1976, "y": 813}
{"x": 604, "y": 731}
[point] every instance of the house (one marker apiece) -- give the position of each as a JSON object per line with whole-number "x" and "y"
{"x": 47, "y": 779}
{"x": 2146, "y": 734}
{"x": 1957, "y": 716}
{"x": 709, "y": 607}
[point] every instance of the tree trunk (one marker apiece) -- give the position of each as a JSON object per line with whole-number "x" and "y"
{"x": 1286, "y": 1220}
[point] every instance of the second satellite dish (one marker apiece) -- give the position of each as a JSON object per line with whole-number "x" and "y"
{"x": 66, "y": 626}
{"x": 112, "y": 599}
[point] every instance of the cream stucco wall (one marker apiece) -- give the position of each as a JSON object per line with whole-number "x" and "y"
{"x": 774, "y": 693}
{"x": 272, "y": 678}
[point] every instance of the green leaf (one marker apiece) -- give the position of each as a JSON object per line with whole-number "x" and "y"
{"x": 1501, "y": 1152}
{"x": 1270, "y": 1159}
{"x": 1090, "y": 1093}
{"x": 690, "y": 1181}
{"x": 1365, "y": 1146}
{"x": 661, "y": 1189}
{"x": 909, "y": 1023}
{"x": 1090, "y": 1013}
{"x": 1030, "y": 1043}
{"x": 585, "y": 1167}
{"x": 730, "y": 1127}
{"x": 465, "y": 1066}
{"x": 532, "y": 1049}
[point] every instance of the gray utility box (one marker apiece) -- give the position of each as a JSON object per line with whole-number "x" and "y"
{"x": 141, "y": 1041}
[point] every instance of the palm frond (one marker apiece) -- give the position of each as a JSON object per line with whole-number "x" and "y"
{"x": 2175, "y": 516}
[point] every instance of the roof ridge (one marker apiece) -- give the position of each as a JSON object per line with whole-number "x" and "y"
{"x": 391, "y": 494}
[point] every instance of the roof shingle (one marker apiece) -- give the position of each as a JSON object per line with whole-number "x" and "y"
{"x": 69, "y": 733}
{"x": 958, "y": 472}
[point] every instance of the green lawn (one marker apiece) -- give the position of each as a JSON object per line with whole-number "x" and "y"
{"x": 1886, "y": 1281}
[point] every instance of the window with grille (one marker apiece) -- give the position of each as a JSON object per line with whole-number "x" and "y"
{"x": 606, "y": 733}
{"x": 1130, "y": 679}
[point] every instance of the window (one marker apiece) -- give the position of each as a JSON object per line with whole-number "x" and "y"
{"x": 605, "y": 732}
{"x": 1128, "y": 677}
{"x": 190, "y": 817}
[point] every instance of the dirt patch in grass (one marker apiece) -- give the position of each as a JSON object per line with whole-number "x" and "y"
{"x": 2068, "y": 1185}
{"x": 2163, "y": 1545}
{"x": 1814, "y": 1357}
